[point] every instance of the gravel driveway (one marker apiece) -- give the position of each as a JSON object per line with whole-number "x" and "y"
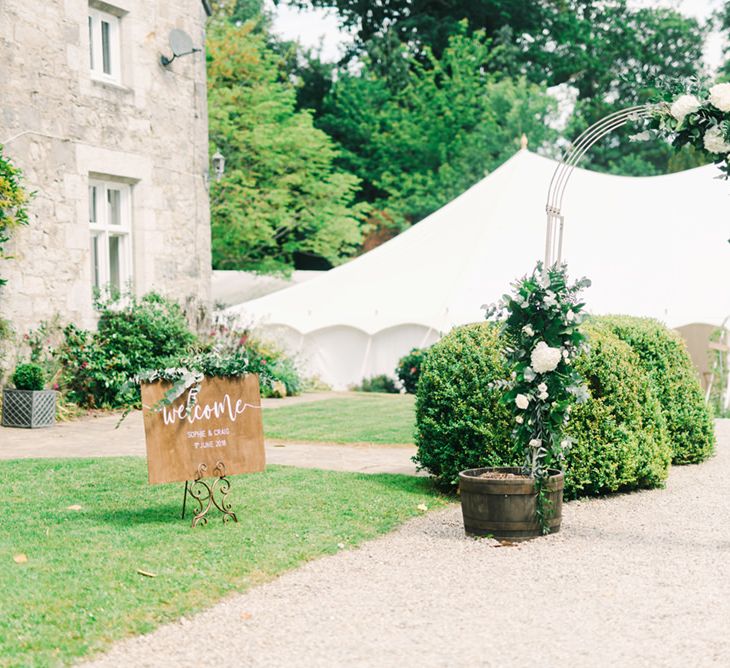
{"x": 634, "y": 580}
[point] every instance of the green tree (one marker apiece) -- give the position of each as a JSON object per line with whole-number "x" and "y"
{"x": 612, "y": 52}
{"x": 435, "y": 128}
{"x": 280, "y": 194}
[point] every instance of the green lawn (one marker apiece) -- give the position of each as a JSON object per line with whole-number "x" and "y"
{"x": 80, "y": 589}
{"x": 370, "y": 418}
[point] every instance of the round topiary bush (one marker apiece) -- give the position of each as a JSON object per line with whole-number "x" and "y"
{"x": 29, "y": 377}
{"x": 663, "y": 355}
{"x": 460, "y": 422}
{"x": 619, "y": 433}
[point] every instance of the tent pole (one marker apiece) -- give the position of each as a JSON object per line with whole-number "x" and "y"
{"x": 366, "y": 356}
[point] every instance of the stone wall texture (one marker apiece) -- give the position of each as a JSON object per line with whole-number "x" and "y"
{"x": 61, "y": 126}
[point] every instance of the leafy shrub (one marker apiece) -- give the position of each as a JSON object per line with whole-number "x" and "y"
{"x": 618, "y": 433}
{"x": 98, "y": 366}
{"x": 226, "y": 339}
{"x": 409, "y": 369}
{"x": 460, "y": 421}
{"x": 381, "y": 383}
{"x": 277, "y": 366}
{"x": 663, "y": 355}
{"x": 29, "y": 377}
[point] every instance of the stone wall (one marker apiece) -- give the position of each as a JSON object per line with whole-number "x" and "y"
{"x": 61, "y": 126}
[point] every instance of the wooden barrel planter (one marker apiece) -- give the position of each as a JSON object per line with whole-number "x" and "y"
{"x": 505, "y": 508}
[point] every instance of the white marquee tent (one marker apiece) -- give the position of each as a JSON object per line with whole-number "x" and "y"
{"x": 653, "y": 246}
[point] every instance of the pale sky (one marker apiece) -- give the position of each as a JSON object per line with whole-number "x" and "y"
{"x": 311, "y": 28}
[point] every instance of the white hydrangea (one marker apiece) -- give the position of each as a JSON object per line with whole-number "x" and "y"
{"x": 544, "y": 358}
{"x": 683, "y": 105}
{"x": 522, "y": 401}
{"x": 720, "y": 96}
{"x": 715, "y": 142}
{"x": 527, "y": 329}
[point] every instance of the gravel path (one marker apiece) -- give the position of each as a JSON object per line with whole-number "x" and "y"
{"x": 634, "y": 580}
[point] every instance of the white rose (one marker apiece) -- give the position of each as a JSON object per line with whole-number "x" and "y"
{"x": 522, "y": 401}
{"x": 519, "y": 419}
{"x": 535, "y": 443}
{"x": 527, "y": 329}
{"x": 544, "y": 358}
{"x": 542, "y": 387}
{"x": 683, "y": 105}
{"x": 715, "y": 142}
{"x": 529, "y": 374}
{"x": 542, "y": 396}
{"x": 720, "y": 96}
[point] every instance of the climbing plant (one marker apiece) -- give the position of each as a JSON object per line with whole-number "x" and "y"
{"x": 13, "y": 202}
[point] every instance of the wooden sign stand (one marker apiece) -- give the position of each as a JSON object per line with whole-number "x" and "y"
{"x": 205, "y": 494}
{"x": 220, "y": 435}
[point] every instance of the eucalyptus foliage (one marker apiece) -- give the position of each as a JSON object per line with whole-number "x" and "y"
{"x": 540, "y": 325}
{"x": 698, "y": 118}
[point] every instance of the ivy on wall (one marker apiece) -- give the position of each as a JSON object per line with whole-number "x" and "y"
{"x": 13, "y": 202}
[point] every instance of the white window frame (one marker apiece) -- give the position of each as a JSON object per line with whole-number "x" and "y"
{"x": 103, "y": 230}
{"x": 96, "y": 54}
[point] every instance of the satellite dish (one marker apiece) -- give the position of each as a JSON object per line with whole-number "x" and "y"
{"x": 181, "y": 44}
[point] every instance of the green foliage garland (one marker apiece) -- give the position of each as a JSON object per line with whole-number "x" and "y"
{"x": 543, "y": 338}
{"x": 699, "y": 118}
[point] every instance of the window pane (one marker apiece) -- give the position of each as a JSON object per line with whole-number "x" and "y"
{"x": 105, "y": 48}
{"x": 91, "y": 43}
{"x": 92, "y": 204}
{"x": 95, "y": 274}
{"x": 114, "y": 199}
{"x": 115, "y": 265}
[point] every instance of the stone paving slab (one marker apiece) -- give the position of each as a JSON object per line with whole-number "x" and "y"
{"x": 97, "y": 437}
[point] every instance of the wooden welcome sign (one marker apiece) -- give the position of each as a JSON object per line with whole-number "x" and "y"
{"x": 225, "y": 425}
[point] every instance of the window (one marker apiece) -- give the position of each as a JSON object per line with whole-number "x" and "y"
{"x": 110, "y": 225}
{"x": 104, "y": 52}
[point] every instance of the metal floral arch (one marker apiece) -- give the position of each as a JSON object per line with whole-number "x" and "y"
{"x": 561, "y": 176}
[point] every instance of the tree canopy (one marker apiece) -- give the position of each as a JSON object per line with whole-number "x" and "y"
{"x": 610, "y": 51}
{"x": 424, "y": 134}
{"x": 281, "y": 194}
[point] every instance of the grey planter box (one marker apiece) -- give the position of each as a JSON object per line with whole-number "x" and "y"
{"x": 29, "y": 408}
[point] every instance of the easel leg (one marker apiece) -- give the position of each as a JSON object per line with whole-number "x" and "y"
{"x": 185, "y": 500}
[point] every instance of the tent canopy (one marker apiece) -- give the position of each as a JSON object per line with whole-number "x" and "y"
{"x": 653, "y": 246}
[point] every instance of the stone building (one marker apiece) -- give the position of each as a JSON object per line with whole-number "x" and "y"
{"x": 115, "y": 146}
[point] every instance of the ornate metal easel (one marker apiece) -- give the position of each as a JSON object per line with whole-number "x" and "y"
{"x": 205, "y": 494}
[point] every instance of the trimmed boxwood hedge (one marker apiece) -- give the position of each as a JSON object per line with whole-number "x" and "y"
{"x": 460, "y": 423}
{"x": 664, "y": 357}
{"x": 619, "y": 433}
